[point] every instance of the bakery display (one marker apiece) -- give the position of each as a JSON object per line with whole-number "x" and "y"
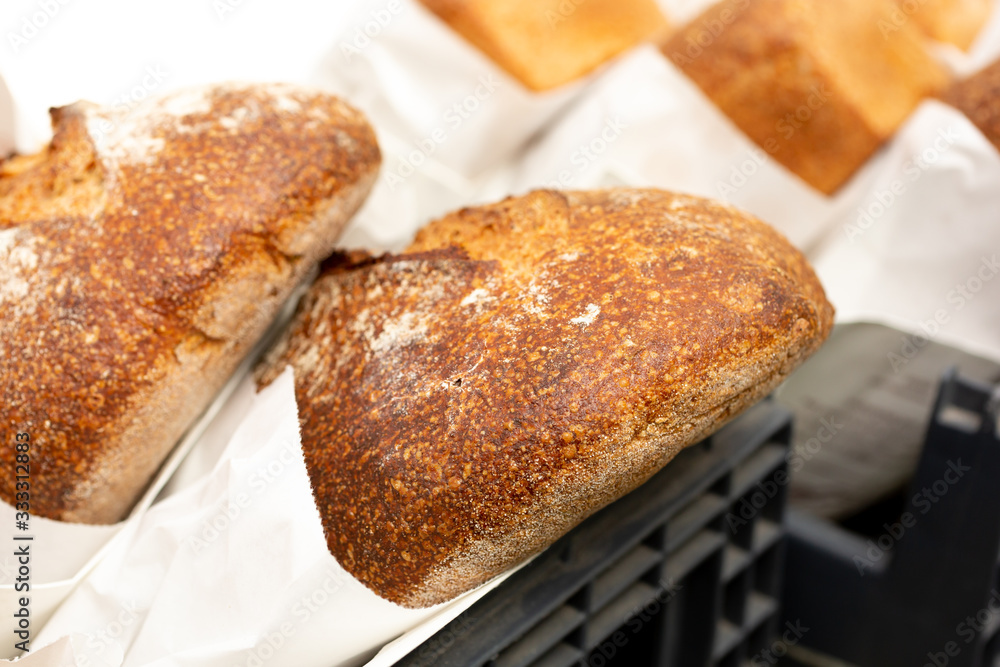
{"x": 818, "y": 85}
{"x": 954, "y": 21}
{"x": 549, "y": 43}
{"x": 525, "y": 363}
{"x": 142, "y": 253}
{"x": 978, "y": 97}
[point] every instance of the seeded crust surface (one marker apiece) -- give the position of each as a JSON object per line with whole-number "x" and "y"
{"x": 525, "y": 363}
{"x": 142, "y": 253}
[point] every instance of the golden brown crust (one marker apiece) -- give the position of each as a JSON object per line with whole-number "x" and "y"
{"x": 144, "y": 253}
{"x": 546, "y": 43}
{"x": 818, "y": 85}
{"x": 978, "y": 97}
{"x": 953, "y": 21}
{"x": 461, "y": 408}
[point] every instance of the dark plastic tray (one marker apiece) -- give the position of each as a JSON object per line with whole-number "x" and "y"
{"x": 671, "y": 574}
{"x": 920, "y": 592}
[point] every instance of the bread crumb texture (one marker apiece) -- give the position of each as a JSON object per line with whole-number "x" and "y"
{"x": 141, "y": 253}
{"x": 524, "y": 364}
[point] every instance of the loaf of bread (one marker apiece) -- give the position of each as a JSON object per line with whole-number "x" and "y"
{"x": 978, "y": 97}
{"x": 818, "y": 85}
{"x": 546, "y": 43}
{"x": 142, "y": 253}
{"x": 953, "y": 21}
{"x": 525, "y": 363}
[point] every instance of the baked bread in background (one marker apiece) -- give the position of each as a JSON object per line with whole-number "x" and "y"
{"x": 954, "y": 21}
{"x": 142, "y": 253}
{"x": 546, "y": 43}
{"x": 818, "y": 85}
{"x": 978, "y": 97}
{"x": 525, "y": 363}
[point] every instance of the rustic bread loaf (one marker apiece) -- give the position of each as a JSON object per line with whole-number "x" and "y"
{"x": 953, "y": 21}
{"x": 465, "y": 404}
{"x": 546, "y": 43}
{"x": 978, "y": 97}
{"x": 818, "y": 85}
{"x": 142, "y": 253}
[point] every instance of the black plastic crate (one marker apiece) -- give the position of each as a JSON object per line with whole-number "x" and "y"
{"x": 926, "y": 589}
{"x": 685, "y": 570}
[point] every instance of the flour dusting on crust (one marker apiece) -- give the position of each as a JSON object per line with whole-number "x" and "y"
{"x": 589, "y": 315}
{"x": 491, "y": 396}
{"x": 18, "y": 263}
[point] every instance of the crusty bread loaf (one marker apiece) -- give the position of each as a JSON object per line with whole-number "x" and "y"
{"x": 978, "y": 97}
{"x": 141, "y": 255}
{"x": 464, "y": 405}
{"x": 818, "y": 85}
{"x": 546, "y": 43}
{"x": 953, "y": 21}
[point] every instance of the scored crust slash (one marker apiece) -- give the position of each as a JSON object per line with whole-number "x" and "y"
{"x": 525, "y": 363}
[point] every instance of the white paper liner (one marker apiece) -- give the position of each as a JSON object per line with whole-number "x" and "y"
{"x": 922, "y": 241}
